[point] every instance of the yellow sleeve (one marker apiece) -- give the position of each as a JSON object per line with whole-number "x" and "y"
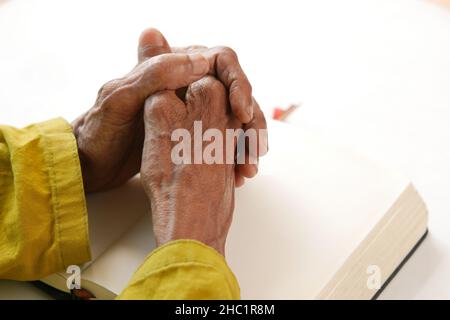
{"x": 183, "y": 269}
{"x": 43, "y": 217}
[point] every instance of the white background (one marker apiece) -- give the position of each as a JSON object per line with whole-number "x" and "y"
{"x": 372, "y": 74}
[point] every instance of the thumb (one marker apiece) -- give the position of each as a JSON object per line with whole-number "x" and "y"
{"x": 152, "y": 43}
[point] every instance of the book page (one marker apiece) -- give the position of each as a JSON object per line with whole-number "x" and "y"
{"x": 115, "y": 267}
{"x": 309, "y": 207}
{"x": 114, "y": 212}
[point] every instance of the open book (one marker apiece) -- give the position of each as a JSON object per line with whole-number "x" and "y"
{"x": 318, "y": 222}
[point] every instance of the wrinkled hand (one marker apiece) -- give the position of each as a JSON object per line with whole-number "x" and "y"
{"x": 110, "y": 135}
{"x": 225, "y": 66}
{"x": 189, "y": 201}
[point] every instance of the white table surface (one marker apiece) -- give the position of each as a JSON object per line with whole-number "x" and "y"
{"x": 373, "y": 75}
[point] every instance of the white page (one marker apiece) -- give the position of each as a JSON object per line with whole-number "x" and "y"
{"x": 113, "y": 213}
{"x": 294, "y": 224}
{"x": 114, "y": 268}
{"x": 302, "y": 216}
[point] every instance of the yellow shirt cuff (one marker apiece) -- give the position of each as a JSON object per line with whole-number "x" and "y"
{"x": 183, "y": 269}
{"x": 68, "y": 198}
{"x": 43, "y": 221}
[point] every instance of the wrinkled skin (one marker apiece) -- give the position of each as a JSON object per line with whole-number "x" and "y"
{"x": 110, "y": 135}
{"x": 189, "y": 201}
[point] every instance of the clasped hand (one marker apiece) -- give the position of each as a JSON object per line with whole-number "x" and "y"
{"x": 128, "y": 130}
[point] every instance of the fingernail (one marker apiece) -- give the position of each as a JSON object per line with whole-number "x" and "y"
{"x": 200, "y": 65}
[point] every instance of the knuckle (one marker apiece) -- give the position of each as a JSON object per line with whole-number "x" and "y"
{"x": 214, "y": 87}
{"x": 208, "y": 97}
{"x": 159, "y": 65}
{"x": 157, "y": 106}
{"x": 109, "y": 87}
{"x": 152, "y": 70}
{"x": 153, "y": 105}
{"x": 208, "y": 88}
{"x": 227, "y": 51}
{"x": 116, "y": 94}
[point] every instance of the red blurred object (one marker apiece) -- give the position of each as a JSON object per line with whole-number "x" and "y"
{"x": 282, "y": 114}
{"x": 277, "y": 113}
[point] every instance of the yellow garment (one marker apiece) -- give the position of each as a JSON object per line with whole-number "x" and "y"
{"x": 44, "y": 228}
{"x": 183, "y": 269}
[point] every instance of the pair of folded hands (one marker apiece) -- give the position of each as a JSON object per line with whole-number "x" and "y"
{"x": 128, "y": 130}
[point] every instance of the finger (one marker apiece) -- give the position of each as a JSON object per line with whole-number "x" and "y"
{"x": 258, "y": 124}
{"x": 238, "y": 180}
{"x": 181, "y": 93}
{"x": 208, "y": 92}
{"x": 250, "y": 168}
{"x": 225, "y": 65}
{"x": 166, "y": 72}
{"x": 152, "y": 43}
